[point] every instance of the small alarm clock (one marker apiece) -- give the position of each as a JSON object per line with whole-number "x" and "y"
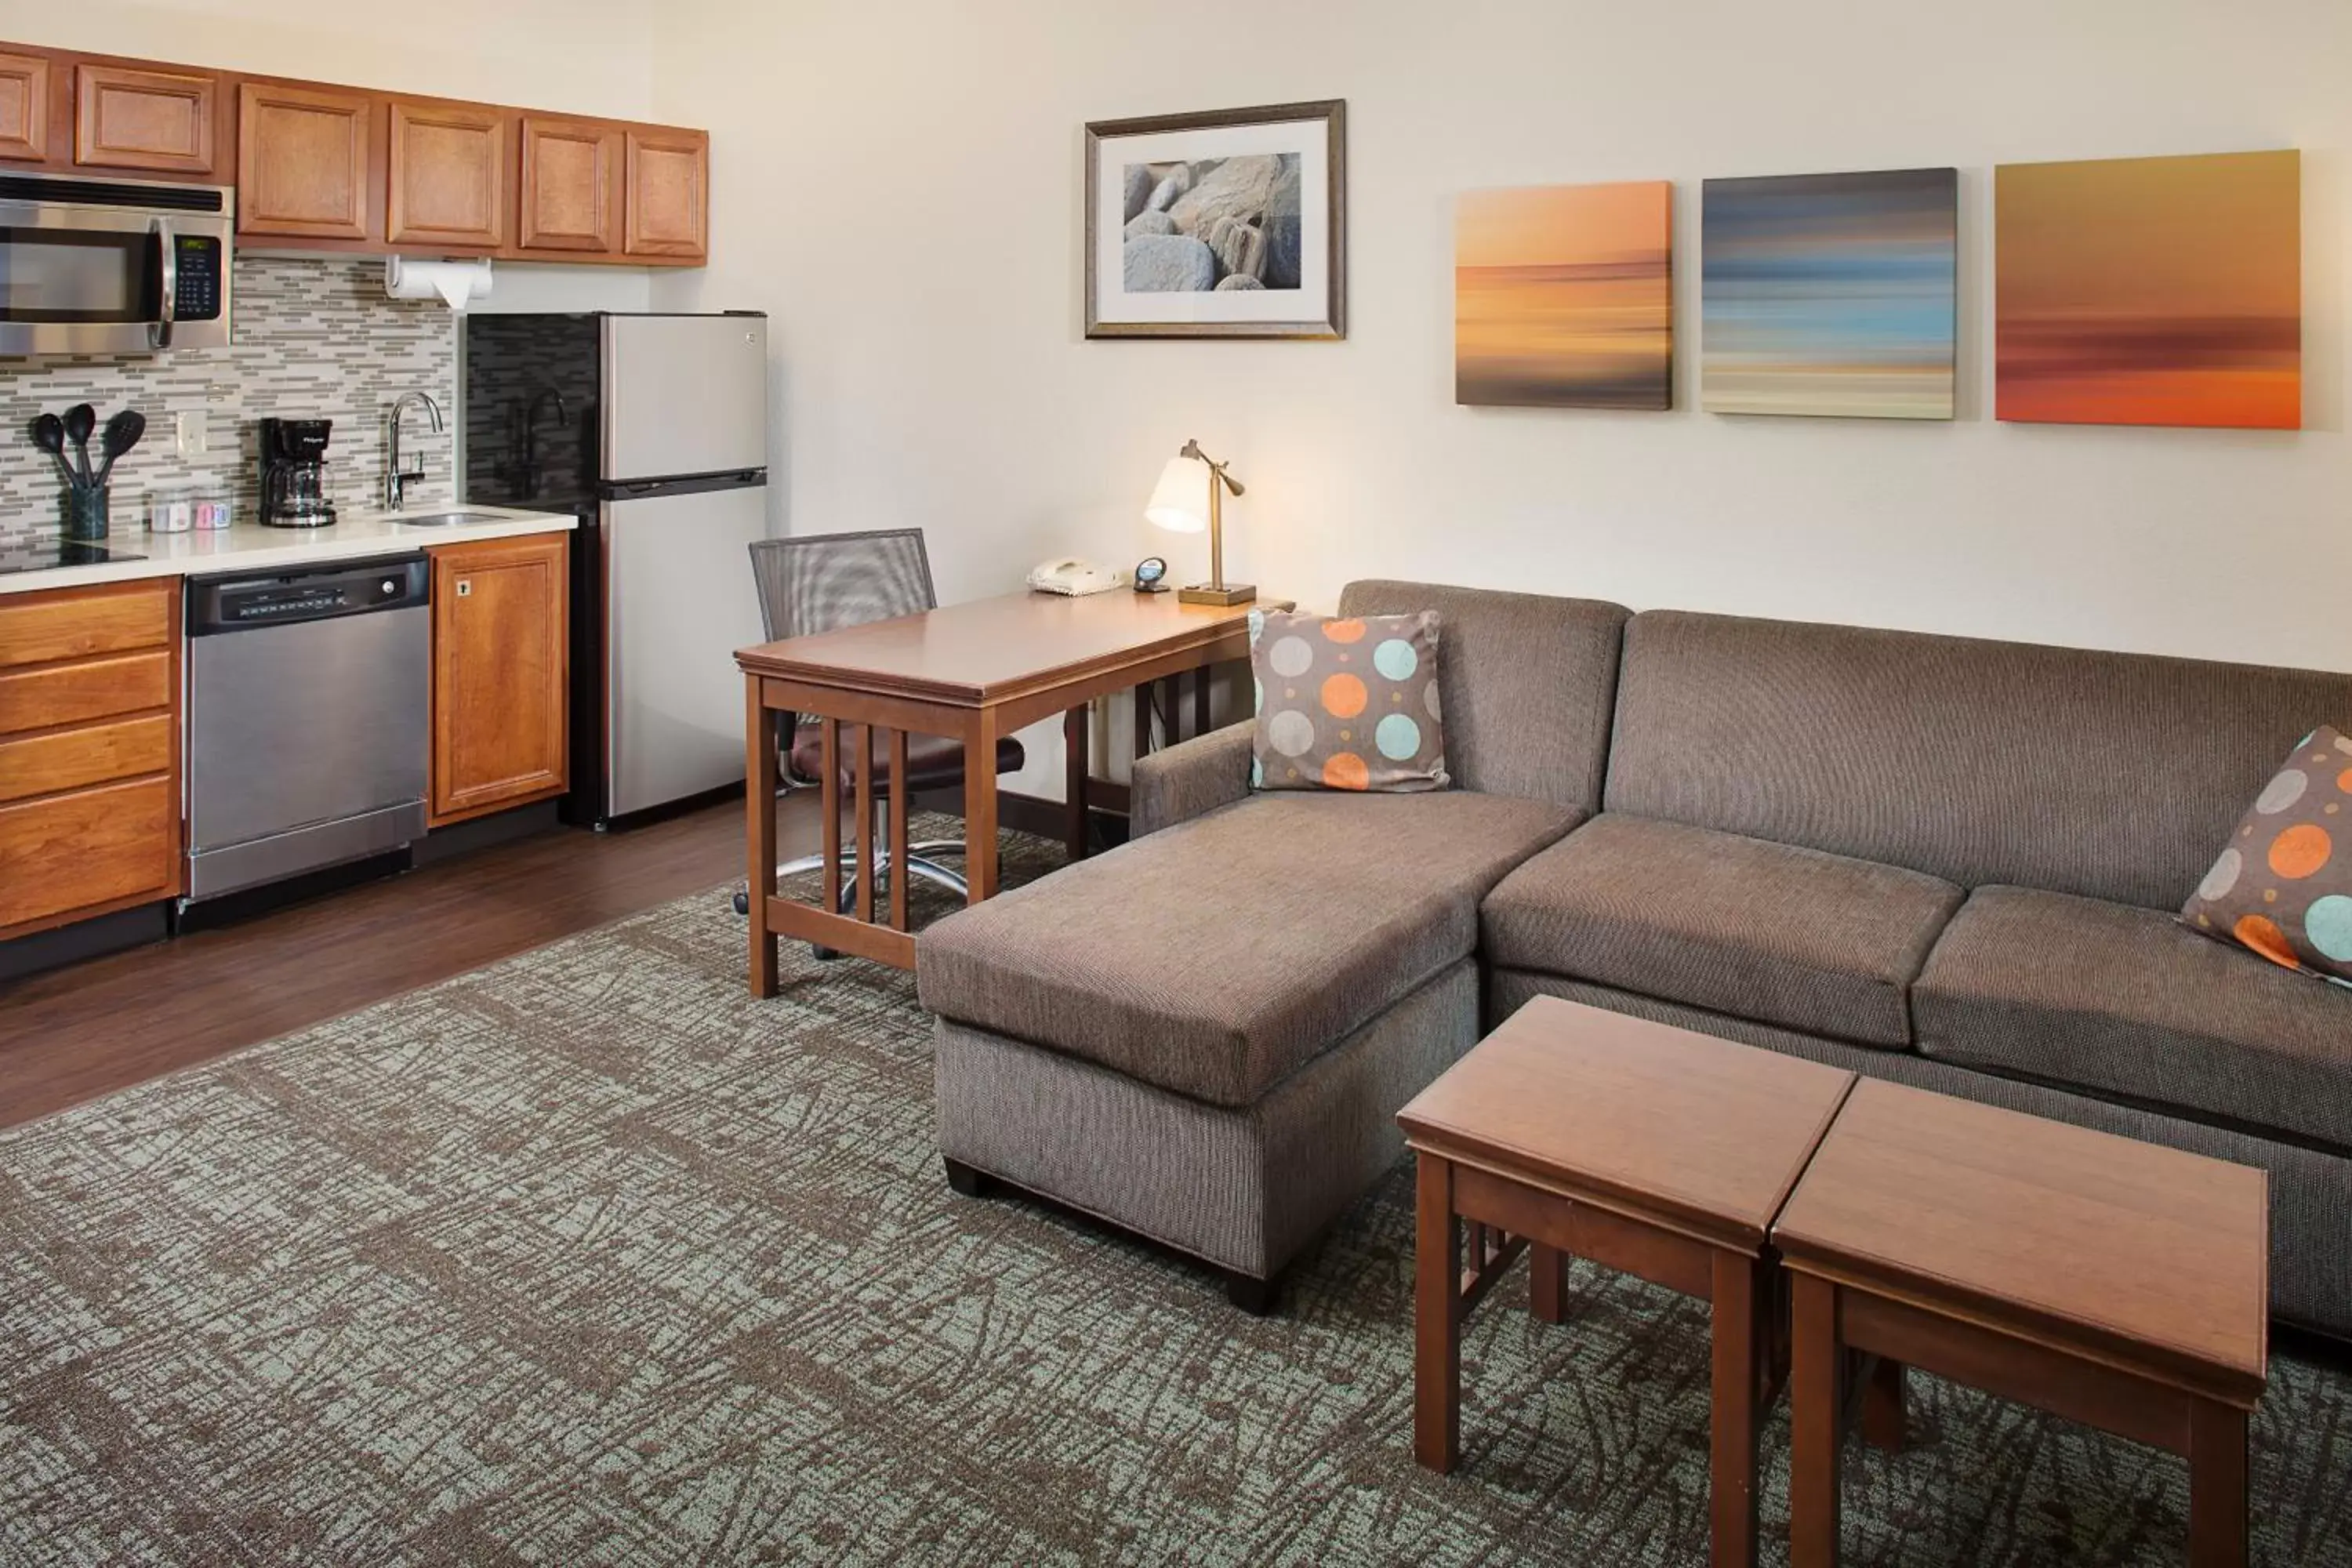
{"x": 1151, "y": 576}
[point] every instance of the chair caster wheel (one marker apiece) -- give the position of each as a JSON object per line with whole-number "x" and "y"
{"x": 825, "y": 954}
{"x": 742, "y": 902}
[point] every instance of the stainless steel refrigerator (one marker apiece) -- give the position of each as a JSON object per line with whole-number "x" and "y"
{"x": 653, "y": 429}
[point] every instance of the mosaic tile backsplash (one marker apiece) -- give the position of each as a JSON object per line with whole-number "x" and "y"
{"x": 316, "y": 338}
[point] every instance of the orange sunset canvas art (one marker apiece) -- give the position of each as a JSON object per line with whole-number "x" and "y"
{"x": 1563, "y": 296}
{"x": 2150, "y": 291}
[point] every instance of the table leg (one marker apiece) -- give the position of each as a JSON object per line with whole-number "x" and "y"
{"x": 980, "y": 807}
{"x": 1074, "y": 781}
{"x": 1438, "y": 1318}
{"x": 1816, "y": 1411}
{"x": 2217, "y": 1486}
{"x": 1742, "y": 1287}
{"x": 829, "y": 798}
{"x": 863, "y": 814}
{"x": 1882, "y": 1405}
{"x": 1142, "y": 720}
{"x": 1547, "y": 1283}
{"x": 900, "y": 873}
{"x": 1200, "y": 700}
{"x": 760, "y": 830}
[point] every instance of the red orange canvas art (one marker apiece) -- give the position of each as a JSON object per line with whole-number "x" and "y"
{"x": 2150, "y": 291}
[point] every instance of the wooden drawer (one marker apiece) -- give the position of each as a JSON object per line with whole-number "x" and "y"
{"x": 76, "y": 623}
{"x": 91, "y": 755}
{"x": 90, "y": 849}
{"x": 77, "y": 693}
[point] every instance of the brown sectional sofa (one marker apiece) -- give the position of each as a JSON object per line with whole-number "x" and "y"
{"x": 1940, "y": 860}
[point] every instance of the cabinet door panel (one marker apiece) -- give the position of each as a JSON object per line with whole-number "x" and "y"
{"x": 87, "y": 755}
{"x": 82, "y": 623}
{"x": 302, "y": 161}
{"x": 91, "y": 848}
{"x": 500, "y": 674}
{"x": 448, "y": 181}
{"x": 668, "y": 181}
{"x": 568, "y": 172}
{"x": 76, "y": 693}
{"x": 155, "y": 120}
{"x": 24, "y": 107}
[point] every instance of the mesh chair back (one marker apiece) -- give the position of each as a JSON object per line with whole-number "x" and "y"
{"x": 823, "y": 582}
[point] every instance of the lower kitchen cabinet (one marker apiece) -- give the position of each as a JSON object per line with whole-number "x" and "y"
{"x": 501, "y": 636}
{"x": 89, "y": 753}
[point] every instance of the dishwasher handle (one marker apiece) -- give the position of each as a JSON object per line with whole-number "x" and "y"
{"x": 251, "y": 602}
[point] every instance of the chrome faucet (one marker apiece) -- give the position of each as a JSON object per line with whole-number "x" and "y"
{"x": 397, "y": 480}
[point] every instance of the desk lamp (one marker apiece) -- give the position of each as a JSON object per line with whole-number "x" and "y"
{"x": 1177, "y": 504}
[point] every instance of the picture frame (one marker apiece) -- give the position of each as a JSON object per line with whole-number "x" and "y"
{"x": 1227, "y": 224}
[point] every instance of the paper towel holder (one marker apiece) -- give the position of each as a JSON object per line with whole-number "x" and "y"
{"x": 456, "y": 284}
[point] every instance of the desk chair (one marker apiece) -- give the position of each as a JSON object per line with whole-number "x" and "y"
{"x": 822, "y": 583}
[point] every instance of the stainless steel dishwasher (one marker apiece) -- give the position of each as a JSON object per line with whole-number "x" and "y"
{"x": 308, "y": 711}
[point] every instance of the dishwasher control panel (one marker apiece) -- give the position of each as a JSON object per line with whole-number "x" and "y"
{"x": 217, "y": 605}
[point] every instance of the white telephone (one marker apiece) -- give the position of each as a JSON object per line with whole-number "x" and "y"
{"x": 1070, "y": 575}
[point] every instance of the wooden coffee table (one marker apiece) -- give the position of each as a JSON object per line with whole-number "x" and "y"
{"x": 2113, "y": 1282}
{"x": 1647, "y": 1148}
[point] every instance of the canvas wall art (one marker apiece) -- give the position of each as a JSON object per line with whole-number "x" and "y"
{"x": 1563, "y": 296}
{"x": 1229, "y": 224}
{"x": 1830, "y": 294}
{"x": 2150, "y": 291}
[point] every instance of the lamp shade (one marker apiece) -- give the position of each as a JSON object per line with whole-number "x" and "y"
{"x": 1180, "y": 501}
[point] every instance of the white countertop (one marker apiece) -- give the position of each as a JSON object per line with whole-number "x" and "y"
{"x": 250, "y": 547}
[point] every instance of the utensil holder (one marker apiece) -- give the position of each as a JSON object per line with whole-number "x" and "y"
{"x": 85, "y": 512}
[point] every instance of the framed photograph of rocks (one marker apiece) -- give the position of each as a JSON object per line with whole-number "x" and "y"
{"x": 1225, "y": 225}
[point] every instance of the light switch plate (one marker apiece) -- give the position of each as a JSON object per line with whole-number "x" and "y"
{"x": 188, "y": 432}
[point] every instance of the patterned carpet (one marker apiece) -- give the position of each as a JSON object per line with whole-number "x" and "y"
{"x": 587, "y": 1257}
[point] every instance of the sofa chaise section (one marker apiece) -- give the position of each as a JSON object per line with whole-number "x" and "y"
{"x": 1205, "y": 1035}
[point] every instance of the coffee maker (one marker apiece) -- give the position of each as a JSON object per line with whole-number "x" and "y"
{"x": 294, "y": 473}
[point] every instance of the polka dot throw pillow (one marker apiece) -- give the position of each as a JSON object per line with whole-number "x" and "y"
{"x": 2283, "y": 884}
{"x": 1347, "y": 704}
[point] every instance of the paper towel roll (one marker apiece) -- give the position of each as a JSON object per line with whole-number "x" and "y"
{"x": 454, "y": 283}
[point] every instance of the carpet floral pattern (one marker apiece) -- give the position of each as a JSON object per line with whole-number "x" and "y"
{"x": 589, "y": 1257}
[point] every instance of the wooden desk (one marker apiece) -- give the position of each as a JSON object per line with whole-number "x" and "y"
{"x": 1645, "y": 1148}
{"x": 976, "y": 672}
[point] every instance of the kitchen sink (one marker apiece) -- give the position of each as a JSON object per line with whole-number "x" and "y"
{"x": 445, "y": 519}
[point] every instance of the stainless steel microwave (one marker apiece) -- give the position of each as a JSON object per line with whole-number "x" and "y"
{"x": 112, "y": 266}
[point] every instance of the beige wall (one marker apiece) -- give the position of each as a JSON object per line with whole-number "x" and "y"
{"x": 898, "y": 185}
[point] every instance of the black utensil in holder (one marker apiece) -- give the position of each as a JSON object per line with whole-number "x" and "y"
{"x": 85, "y": 512}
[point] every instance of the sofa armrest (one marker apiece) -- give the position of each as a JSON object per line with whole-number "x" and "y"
{"x": 1186, "y": 780}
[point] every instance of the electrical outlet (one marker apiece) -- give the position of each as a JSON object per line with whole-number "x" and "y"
{"x": 188, "y": 434}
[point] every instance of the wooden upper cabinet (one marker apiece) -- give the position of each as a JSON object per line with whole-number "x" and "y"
{"x": 668, "y": 184}
{"x": 302, "y": 161}
{"x": 568, "y": 169}
{"x": 24, "y": 107}
{"x": 448, "y": 182}
{"x": 159, "y": 121}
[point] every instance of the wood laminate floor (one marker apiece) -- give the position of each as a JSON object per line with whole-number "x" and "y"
{"x": 72, "y": 1033}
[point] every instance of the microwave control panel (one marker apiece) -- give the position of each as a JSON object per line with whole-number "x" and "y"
{"x": 198, "y": 294}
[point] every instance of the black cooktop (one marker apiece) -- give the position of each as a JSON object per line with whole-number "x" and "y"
{"x": 56, "y": 552}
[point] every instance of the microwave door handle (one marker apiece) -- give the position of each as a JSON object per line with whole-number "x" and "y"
{"x": 168, "y": 279}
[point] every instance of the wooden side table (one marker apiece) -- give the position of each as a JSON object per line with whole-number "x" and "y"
{"x": 1649, "y": 1149}
{"x": 2113, "y": 1282}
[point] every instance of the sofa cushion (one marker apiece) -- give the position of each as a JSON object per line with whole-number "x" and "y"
{"x": 1738, "y": 926}
{"x": 2125, "y": 1002}
{"x": 2110, "y": 775}
{"x": 1214, "y": 957}
{"x": 1526, "y": 685}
